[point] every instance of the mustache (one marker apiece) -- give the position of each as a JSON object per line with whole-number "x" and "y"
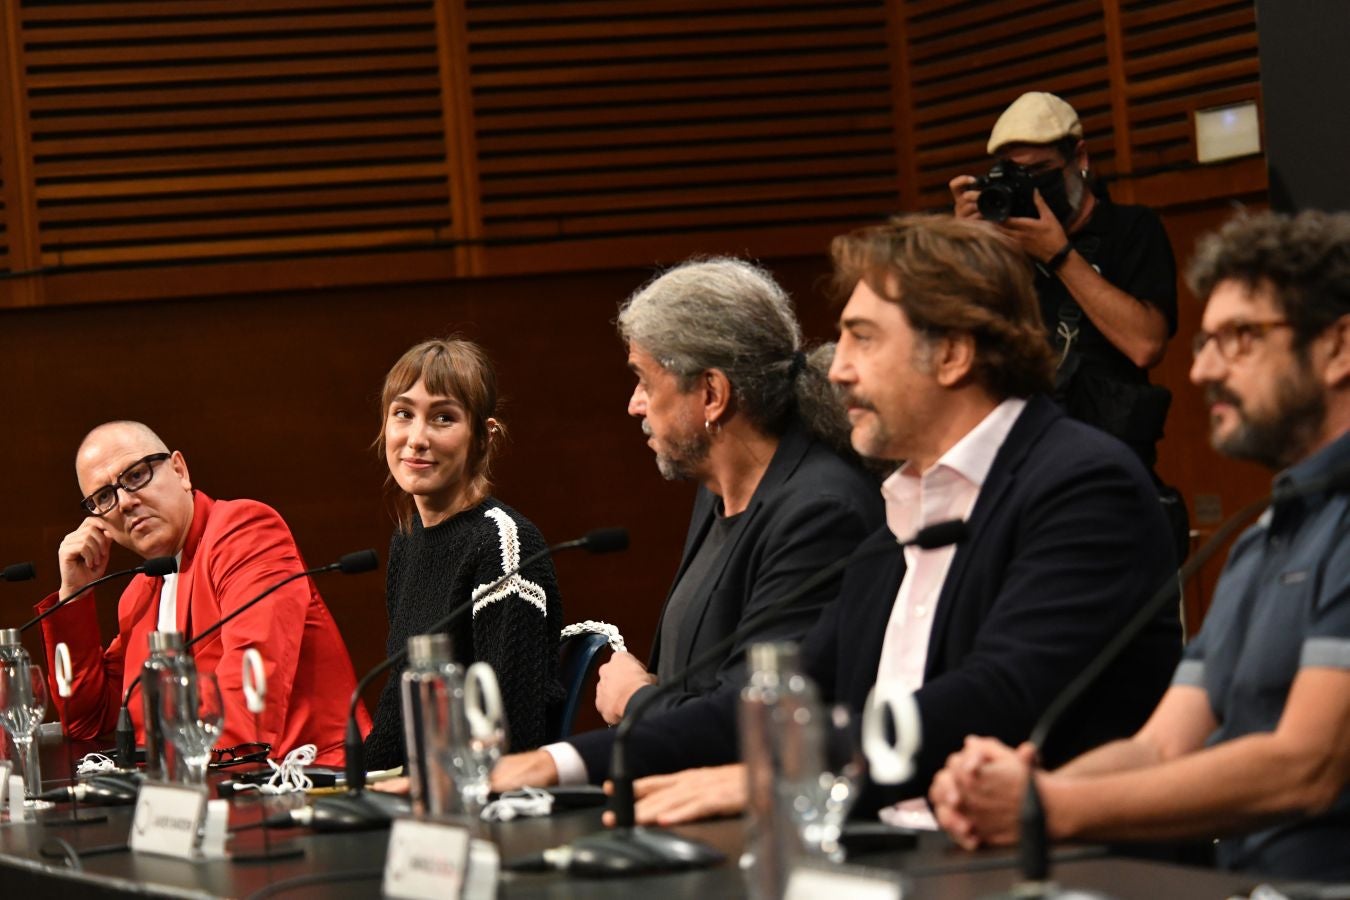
{"x": 849, "y": 398}
{"x": 646, "y": 428}
{"x": 1218, "y": 394}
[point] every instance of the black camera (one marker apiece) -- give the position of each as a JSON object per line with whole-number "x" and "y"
{"x": 1006, "y": 192}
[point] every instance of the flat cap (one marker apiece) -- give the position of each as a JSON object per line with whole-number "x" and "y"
{"x": 1034, "y": 118}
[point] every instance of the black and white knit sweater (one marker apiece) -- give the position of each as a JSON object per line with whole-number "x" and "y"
{"x": 515, "y": 629}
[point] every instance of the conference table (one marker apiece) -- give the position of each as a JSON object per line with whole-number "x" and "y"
{"x": 34, "y": 863}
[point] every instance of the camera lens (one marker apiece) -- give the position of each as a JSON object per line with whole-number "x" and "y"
{"x": 995, "y": 202}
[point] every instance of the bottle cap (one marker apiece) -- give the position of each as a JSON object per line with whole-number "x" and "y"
{"x": 165, "y": 640}
{"x": 428, "y": 649}
{"x": 773, "y": 657}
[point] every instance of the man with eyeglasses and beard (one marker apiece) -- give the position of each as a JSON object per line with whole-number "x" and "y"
{"x": 137, "y": 493}
{"x": 1251, "y": 743}
{"x": 1105, "y": 275}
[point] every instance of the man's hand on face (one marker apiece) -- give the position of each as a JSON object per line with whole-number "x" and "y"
{"x": 965, "y": 196}
{"x": 620, "y": 678}
{"x": 83, "y": 554}
{"x": 1039, "y": 238}
{"x": 533, "y": 767}
{"x": 688, "y": 796}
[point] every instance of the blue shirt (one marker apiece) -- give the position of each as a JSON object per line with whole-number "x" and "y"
{"x": 1282, "y": 603}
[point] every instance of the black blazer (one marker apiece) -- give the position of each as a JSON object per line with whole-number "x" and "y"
{"x": 1066, "y": 540}
{"x": 810, "y": 507}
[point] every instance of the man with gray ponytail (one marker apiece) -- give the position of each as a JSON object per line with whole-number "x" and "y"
{"x": 729, "y": 399}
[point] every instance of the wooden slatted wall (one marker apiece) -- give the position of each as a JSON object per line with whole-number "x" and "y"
{"x": 1136, "y": 70}
{"x": 1180, "y": 57}
{"x": 211, "y": 128}
{"x": 671, "y": 126}
{"x": 287, "y": 143}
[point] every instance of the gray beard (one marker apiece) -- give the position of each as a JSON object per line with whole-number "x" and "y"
{"x": 680, "y": 461}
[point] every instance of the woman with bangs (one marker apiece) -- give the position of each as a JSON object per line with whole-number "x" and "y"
{"x": 454, "y": 540}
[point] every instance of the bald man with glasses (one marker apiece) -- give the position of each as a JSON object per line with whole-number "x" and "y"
{"x": 138, "y": 494}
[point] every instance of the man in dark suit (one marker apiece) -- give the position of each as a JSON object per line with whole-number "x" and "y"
{"x": 728, "y": 400}
{"x": 944, "y": 364}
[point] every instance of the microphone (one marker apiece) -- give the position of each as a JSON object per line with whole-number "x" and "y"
{"x": 599, "y": 540}
{"x": 18, "y": 572}
{"x": 348, "y": 564}
{"x": 106, "y": 790}
{"x": 366, "y": 811}
{"x": 629, "y": 849}
{"x": 1034, "y": 849}
{"x": 154, "y": 567}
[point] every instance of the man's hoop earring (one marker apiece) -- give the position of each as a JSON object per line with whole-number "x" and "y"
{"x": 713, "y": 428}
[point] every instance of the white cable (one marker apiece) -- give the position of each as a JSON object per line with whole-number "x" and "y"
{"x": 528, "y": 802}
{"x": 289, "y": 777}
{"x": 591, "y": 626}
{"x": 93, "y": 763}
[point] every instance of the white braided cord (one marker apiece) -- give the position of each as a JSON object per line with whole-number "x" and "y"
{"x": 592, "y": 626}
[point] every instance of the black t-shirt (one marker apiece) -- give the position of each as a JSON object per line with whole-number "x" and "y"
{"x": 1128, "y": 246}
{"x": 685, "y": 597}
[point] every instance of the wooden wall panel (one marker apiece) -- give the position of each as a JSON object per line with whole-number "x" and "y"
{"x": 201, "y": 130}
{"x": 1181, "y": 56}
{"x": 597, "y": 121}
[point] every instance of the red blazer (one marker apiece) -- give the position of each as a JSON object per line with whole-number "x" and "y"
{"x": 235, "y": 550}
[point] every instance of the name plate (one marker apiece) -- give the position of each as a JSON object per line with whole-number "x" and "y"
{"x": 811, "y": 880}
{"x": 168, "y": 819}
{"x": 426, "y": 860}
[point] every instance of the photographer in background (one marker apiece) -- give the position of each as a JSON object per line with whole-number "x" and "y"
{"x": 1105, "y": 275}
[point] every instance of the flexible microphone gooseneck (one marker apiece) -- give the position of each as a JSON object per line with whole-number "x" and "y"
{"x": 154, "y": 567}
{"x": 18, "y": 572}
{"x": 1034, "y": 844}
{"x": 348, "y": 564}
{"x": 600, "y": 540}
{"x": 630, "y": 849}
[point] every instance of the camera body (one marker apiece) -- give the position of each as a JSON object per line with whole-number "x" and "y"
{"x": 1006, "y": 192}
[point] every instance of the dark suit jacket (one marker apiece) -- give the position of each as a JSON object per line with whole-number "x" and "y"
{"x": 810, "y": 507}
{"x": 1066, "y": 540}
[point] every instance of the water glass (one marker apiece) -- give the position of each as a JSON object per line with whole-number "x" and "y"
{"x": 192, "y": 716}
{"x": 23, "y": 703}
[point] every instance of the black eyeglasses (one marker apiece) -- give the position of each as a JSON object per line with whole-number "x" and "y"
{"x": 133, "y": 478}
{"x": 239, "y": 755}
{"x": 1235, "y": 339}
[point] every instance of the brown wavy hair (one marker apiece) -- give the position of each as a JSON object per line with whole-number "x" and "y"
{"x": 449, "y": 367}
{"x": 956, "y": 275}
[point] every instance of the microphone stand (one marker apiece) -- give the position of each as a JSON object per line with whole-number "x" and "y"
{"x": 62, "y": 675}
{"x": 600, "y": 540}
{"x": 356, "y": 809}
{"x": 255, "y": 696}
{"x": 1034, "y": 844}
{"x": 630, "y": 849}
{"x": 154, "y": 567}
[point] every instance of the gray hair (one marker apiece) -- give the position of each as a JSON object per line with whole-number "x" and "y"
{"x": 730, "y": 315}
